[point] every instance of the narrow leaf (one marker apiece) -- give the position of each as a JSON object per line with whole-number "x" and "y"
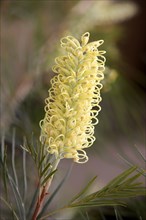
{"x": 44, "y": 170}
{"x": 10, "y": 207}
{"x": 84, "y": 190}
{"x": 130, "y": 180}
{"x": 98, "y": 204}
{"x": 45, "y": 180}
{"x": 13, "y": 158}
{"x": 120, "y": 178}
{"x": 41, "y": 161}
{"x": 3, "y": 160}
{"x": 24, "y": 175}
{"x": 117, "y": 188}
{"x": 18, "y": 198}
{"x": 24, "y": 148}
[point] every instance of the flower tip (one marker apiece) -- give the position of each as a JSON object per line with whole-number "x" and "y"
{"x": 85, "y": 38}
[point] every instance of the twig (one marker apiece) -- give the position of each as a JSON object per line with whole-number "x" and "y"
{"x": 43, "y": 193}
{"x": 40, "y": 201}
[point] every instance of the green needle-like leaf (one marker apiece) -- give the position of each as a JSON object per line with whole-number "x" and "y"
{"x": 41, "y": 161}
{"x": 18, "y": 198}
{"x": 3, "y": 160}
{"x": 10, "y": 207}
{"x": 24, "y": 175}
{"x": 84, "y": 190}
{"x": 118, "y": 188}
{"x": 120, "y": 178}
{"x": 47, "y": 177}
{"x": 13, "y": 158}
{"x": 101, "y": 202}
{"x": 44, "y": 170}
{"x": 112, "y": 194}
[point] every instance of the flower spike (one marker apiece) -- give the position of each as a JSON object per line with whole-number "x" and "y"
{"x": 68, "y": 125}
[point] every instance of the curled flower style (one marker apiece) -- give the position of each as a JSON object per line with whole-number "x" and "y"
{"x": 73, "y": 103}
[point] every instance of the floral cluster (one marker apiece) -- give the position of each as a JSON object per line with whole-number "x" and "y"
{"x": 73, "y": 104}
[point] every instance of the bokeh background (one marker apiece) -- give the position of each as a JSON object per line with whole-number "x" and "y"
{"x": 30, "y": 35}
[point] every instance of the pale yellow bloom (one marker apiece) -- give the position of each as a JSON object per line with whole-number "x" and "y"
{"x": 68, "y": 126}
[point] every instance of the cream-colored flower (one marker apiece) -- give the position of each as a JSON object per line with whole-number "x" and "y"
{"x": 73, "y": 103}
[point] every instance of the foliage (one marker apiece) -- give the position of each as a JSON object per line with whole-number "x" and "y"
{"x": 123, "y": 186}
{"x": 29, "y": 43}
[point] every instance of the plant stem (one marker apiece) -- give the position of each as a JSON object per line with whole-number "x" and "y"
{"x": 43, "y": 193}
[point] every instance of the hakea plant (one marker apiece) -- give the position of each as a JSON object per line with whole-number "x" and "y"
{"x": 73, "y": 103}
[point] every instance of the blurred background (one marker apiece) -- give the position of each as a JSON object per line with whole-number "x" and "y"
{"x": 30, "y": 35}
